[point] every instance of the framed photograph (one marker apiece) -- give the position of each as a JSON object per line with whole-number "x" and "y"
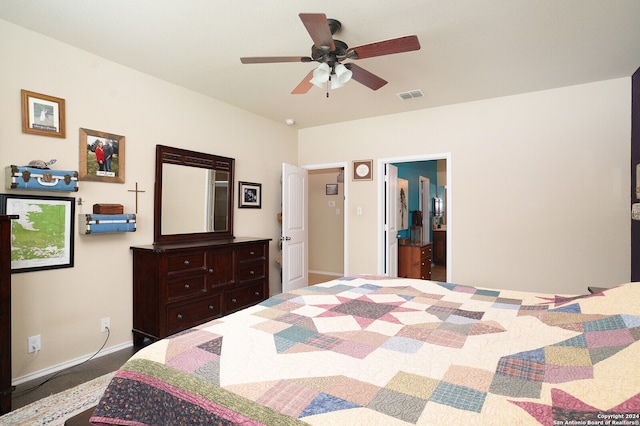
{"x": 42, "y": 114}
{"x": 249, "y": 195}
{"x": 403, "y": 204}
{"x": 42, "y": 236}
{"x": 101, "y": 156}
{"x": 363, "y": 170}
{"x": 638, "y": 181}
{"x": 332, "y": 189}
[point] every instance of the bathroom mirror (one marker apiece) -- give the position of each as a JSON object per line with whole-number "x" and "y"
{"x": 193, "y": 196}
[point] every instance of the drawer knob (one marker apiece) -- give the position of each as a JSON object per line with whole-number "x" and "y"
{"x": 211, "y": 307}
{"x": 257, "y": 293}
{"x": 252, "y": 253}
{"x": 187, "y": 286}
{"x": 252, "y": 273}
{"x": 234, "y": 300}
{"x": 179, "y": 316}
{"x": 186, "y": 262}
{"x": 211, "y": 270}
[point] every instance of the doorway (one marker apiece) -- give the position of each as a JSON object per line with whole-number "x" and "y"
{"x": 440, "y": 181}
{"x": 327, "y": 222}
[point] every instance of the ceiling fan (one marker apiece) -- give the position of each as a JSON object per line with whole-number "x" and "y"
{"x": 330, "y": 53}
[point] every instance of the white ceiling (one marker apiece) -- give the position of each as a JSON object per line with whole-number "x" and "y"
{"x": 471, "y": 49}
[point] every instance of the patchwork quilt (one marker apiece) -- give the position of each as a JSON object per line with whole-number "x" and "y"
{"x": 368, "y": 350}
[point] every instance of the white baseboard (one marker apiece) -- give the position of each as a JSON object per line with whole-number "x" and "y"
{"x": 333, "y": 274}
{"x": 68, "y": 364}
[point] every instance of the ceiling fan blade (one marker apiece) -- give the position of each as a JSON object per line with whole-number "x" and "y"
{"x": 386, "y": 47}
{"x": 318, "y": 29}
{"x": 304, "y": 85}
{"x": 366, "y": 78}
{"x": 274, "y": 59}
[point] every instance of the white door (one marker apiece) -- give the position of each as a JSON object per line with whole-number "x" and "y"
{"x": 295, "y": 227}
{"x": 391, "y": 220}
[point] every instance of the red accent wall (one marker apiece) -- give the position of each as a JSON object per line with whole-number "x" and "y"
{"x": 635, "y": 159}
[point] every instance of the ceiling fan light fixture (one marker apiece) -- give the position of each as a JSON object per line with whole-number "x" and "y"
{"x": 321, "y": 75}
{"x": 341, "y": 76}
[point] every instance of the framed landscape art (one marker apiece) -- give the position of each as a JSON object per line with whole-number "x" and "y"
{"x": 42, "y": 236}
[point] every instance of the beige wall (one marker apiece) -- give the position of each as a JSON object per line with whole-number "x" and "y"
{"x": 65, "y": 306}
{"x": 538, "y": 186}
{"x": 326, "y": 224}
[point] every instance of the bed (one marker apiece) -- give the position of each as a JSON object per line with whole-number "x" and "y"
{"x": 373, "y": 350}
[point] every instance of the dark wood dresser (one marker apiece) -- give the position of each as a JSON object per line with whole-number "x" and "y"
{"x": 177, "y": 286}
{"x": 5, "y": 313}
{"x": 414, "y": 261}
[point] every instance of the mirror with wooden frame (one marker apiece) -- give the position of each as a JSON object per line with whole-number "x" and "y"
{"x": 193, "y": 196}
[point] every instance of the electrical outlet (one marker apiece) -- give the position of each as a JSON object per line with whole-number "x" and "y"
{"x": 105, "y": 323}
{"x": 34, "y": 344}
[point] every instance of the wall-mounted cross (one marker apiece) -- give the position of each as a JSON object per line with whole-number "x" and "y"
{"x": 137, "y": 191}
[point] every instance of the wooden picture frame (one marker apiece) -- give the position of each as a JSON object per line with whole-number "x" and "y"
{"x": 363, "y": 170}
{"x": 43, "y": 115}
{"x": 43, "y": 235}
{"x": 249, "y": 195}
{"x": 110, "y": 170}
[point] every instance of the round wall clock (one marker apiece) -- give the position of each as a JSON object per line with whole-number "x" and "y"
{"x": 363, "y": 170}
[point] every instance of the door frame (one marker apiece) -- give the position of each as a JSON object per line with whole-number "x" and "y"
{"x": 381, "y": 162}
{"x": 345, "y": 166}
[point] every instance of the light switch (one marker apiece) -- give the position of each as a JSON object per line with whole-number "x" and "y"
{"x": 359, "y": 211}
{"x": 338, "y": 211}
{"x": 332, "y": 203}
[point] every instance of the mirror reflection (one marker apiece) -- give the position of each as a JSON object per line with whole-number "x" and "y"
{"x": 201, "y": 208}
{"x": 193, "y": 196}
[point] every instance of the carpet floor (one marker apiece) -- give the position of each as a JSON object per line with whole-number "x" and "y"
{"x": 54, "y": 410}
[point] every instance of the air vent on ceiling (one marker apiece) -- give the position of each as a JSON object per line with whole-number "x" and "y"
{"x": 411, "y": 94}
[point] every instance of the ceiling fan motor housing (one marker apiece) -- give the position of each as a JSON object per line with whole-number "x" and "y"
{"x": 322, "y": 55}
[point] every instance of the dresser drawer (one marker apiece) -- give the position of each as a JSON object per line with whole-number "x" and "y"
{"x": 185, "y": 262}
{"x": 251, "y": 252}
{"x": 245, "y": 296}
{"x": 251, "y": 272}
{"x": 185, "y": 315}
{"x": 188, "y": 286}
{"x": 425, "y": 271}
{"x": 425, "y": 252}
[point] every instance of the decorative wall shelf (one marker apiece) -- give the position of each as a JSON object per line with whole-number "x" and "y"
{"x": 19, "y": 177}
{"x": 91, "y": 224}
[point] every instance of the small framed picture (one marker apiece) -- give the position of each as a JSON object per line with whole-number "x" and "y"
{"x": 101, "y": 156}
{"x": 42, "y": 114}
{"x": 249, "y": 195}
{"x": 363, "y": 170}
{"x": 332, "y": 189}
